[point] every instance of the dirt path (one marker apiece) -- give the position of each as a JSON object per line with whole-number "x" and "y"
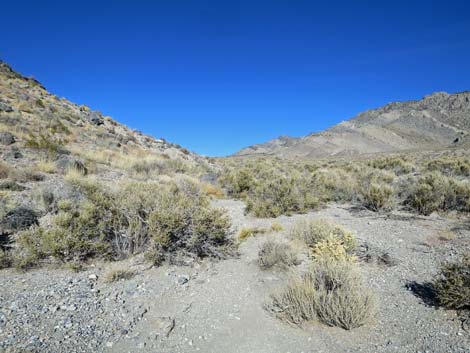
{"x": 218, "y": 307}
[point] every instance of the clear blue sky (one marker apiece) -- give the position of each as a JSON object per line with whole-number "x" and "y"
{"x": 216, "y": 76}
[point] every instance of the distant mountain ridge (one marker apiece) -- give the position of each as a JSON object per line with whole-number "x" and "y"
{"x": 439, "y": 120}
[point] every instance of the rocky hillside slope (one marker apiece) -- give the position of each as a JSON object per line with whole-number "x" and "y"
{"x": 34, "y": 118}
{"x": 437, "y": 121}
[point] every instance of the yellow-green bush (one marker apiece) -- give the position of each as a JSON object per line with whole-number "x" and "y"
{"x": 312, "y": 232}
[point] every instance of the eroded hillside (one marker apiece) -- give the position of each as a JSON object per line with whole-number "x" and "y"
{"x": 440, "y": 120}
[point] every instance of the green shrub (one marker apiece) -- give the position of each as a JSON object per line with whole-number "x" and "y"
{"x": 452, "y": 284}
{"x": 279, "y": 195}
{"x": 331, "y": 292}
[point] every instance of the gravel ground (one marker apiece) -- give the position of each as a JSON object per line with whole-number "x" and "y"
{"x": 218, "y": 306}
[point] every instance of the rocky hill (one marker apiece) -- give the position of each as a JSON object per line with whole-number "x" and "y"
{"x": 34, "y": 118}
{"x": 437, "y": 121}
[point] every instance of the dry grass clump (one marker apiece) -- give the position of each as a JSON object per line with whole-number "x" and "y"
{"x": 277, "y": 227}
{"x": 47, "y": 142}
{"x": 46, "y": 167}
{"x": 452, "y": 284}
{"x": 212, "y": 190}
{"x": 119, "y": 274}
{"x": 273, "y": 253}
{"x": 246, "y": 233}
{"x": 332, "y": 292}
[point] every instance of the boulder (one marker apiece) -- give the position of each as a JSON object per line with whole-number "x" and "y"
{"x": 7, "y": 138}
{"x": 95, "y": 118}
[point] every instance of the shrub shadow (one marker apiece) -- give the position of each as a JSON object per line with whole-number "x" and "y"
{"x": 424, "y": 291}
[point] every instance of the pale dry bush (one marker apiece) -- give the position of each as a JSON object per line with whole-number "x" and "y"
{"x": 332, "y": 292}
{"x": 274, "y": 253}
{"x": 312, "y": 232}
{"x": 377, "y": 196}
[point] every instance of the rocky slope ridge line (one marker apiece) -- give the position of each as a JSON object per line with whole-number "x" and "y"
{"x": 26, "y": 108}
{"x": 439, "y": 120}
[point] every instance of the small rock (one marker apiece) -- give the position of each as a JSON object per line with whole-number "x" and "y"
{"x": 93, "y": 277}
{"x": 183, "y": 279}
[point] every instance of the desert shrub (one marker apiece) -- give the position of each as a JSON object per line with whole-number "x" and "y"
{"x": 434, "y": 192}
{"x": 77, "y": 234}
{"x": 452, "y": 284}
{"x": 332, "y": 292}
{"x": 334, "y": 184}
{"x": 185, "y": 222}
{"x": 399, "y": 165}
{"x": 312, "y": 232}
{"x": 279, "y": 195}
{"x": 376, "y": 196}
{"x": 238, "y": 182}
{"x": 273, "y": 253}
{"x": 450, "y": 166}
